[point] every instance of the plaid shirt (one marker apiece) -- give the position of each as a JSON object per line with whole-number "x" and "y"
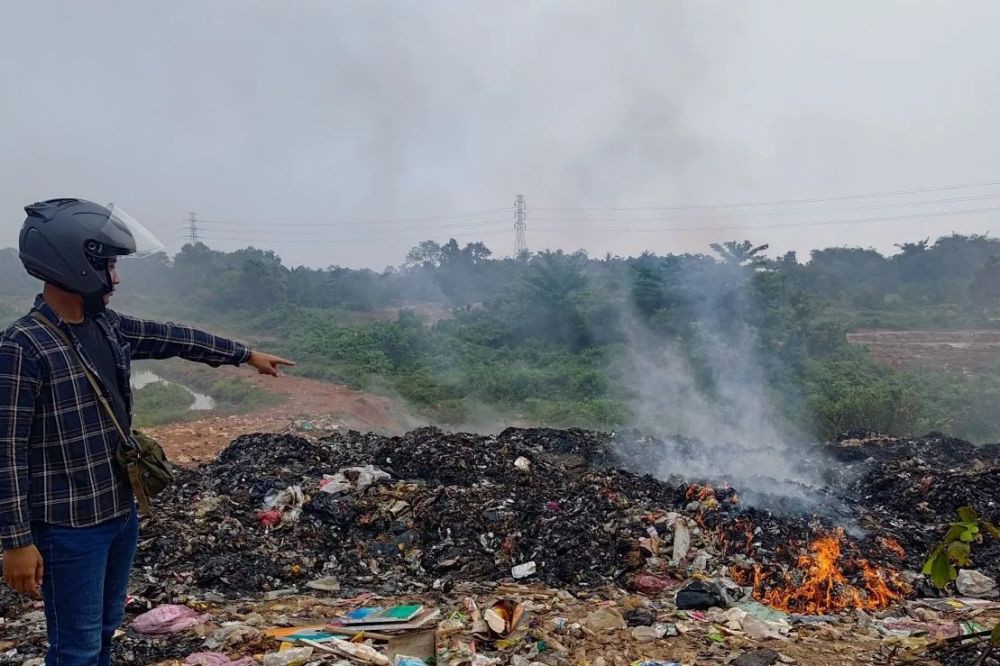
{"x": 57, "y": 445}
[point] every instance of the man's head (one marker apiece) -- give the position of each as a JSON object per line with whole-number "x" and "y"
{"x": 74, "y": 244}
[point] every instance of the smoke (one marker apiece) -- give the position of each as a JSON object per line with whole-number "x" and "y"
{"x": 708, "y": 402}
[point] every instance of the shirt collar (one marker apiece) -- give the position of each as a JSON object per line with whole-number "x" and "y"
{"x": 47, "y": 310}
{"x": 51, "y": 314}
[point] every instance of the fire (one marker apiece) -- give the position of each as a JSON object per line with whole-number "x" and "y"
{"x": 743, "y": 530}
{"x": 881, "y": 594}
{"x": 820, "y": 585}
{"x": 699, "y": 492}
{"x": 893, "y": 546}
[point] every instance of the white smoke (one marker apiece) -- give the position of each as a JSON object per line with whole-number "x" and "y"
{"x": 710, "y": 404}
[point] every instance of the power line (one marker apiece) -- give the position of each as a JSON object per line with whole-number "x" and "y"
{"x": 280, "y": 230}
{"x": 745, "y": 214}
{"x": 781, "y": 225}
{"x": 334, "y": 241}
{"x": 468, "y": 223}
{"x": 335, "y": 223}
{"x": 782, "y": 202}
{"x": 477, "y": 232}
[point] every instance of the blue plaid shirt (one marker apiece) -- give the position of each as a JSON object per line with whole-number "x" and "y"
{"x": 57, "y": 445}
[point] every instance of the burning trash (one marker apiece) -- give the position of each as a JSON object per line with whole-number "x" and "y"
{"x": 819, "y": 583}
{"x": 430, "y": 506}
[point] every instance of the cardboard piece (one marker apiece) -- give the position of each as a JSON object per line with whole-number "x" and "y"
{"x": 421, "y": 644}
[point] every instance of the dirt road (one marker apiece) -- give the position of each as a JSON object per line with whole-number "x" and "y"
{"x": 962, "y": 351}
{"x": 320, "y": 403}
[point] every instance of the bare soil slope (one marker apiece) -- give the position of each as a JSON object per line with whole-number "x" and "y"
{"x": 322, "y": 404}
{"x": 963, "y": 351}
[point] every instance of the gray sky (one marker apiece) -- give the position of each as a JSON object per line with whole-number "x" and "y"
{"x": 300, "y": 122}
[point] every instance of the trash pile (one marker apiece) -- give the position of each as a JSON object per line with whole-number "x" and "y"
{"x": 538, "y": 545}
{"x": 406, "y": 514}
{"x": 401, "y": 514}
{"x": 910, "y": 489}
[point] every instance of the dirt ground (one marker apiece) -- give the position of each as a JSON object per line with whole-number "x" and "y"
{"x": 305, "y": 403}
{"x": 427, "y": 312}
{"x": 961, "y": 351}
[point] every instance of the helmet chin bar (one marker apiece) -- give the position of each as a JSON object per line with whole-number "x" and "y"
{"x": 93, "y": 304}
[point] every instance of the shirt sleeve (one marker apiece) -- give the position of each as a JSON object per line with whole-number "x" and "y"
{"x": 159, "y": 340}
{"x": 20, "y": 381}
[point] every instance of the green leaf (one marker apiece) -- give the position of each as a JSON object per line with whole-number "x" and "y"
{"x": 929, "y": 564}
{"x": 953, "y": 533}
{"x": 942, "y": 572}
{"x": 959, "y": 553}
{"x": 970, "y": 533}
{"x": 968, "y": 514}
{"x": 990, "y": 528}
{"x": 995, "y": 636}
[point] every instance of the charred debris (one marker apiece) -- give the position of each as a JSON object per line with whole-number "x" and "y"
{"x": 567, "y": 508}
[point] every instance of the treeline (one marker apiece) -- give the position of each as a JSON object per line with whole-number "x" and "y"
{"x": 559, "y": 338}
{"x": 954, "y": 270}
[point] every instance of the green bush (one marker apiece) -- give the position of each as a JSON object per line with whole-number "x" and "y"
{"x": 230, "y": 393}
{"x": 159, "y": 402}
{"x": 850, "y": 391}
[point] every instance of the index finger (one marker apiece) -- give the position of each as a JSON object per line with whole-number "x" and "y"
{"x": 282, "y": 361}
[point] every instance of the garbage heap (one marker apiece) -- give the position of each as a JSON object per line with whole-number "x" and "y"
{"x": 399, "y": 515}
{"x": 910, "y": 489}
{"x": 286, "y": 531}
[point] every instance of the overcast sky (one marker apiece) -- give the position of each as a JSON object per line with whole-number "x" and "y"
{"x": 310, "y": 126}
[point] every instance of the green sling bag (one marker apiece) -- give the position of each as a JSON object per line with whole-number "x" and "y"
{"x": 140, "y": 456}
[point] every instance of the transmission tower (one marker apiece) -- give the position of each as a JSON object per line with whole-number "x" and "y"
{"x": 520, "y": 243}
{"x": 192, "y": 221}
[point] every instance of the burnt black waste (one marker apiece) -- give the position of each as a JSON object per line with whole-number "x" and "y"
{"x": 471, "y": 507}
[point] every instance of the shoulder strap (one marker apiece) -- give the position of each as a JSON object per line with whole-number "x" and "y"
{"x": 35, "y": 314}
{"x": 132, "y": 468}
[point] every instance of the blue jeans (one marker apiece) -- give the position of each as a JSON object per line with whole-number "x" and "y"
{"x": 84, "y": 584}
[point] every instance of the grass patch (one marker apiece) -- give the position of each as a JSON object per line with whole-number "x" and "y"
{"x": 232, "y": 394}
{"x": 158, "y": 403}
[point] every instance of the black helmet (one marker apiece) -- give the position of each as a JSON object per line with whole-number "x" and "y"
{"x": 68, "y": 242}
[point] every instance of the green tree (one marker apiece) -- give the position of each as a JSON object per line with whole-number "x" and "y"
{"x": 741, "y": 253}
{"x": 985, "y": 286}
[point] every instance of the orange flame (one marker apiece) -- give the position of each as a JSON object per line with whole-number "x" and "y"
{"x": 746, "y": 530}
{"x": 892, "y": 545}
{"x": 699, "y": 492}
{"x": 824, "y": 587}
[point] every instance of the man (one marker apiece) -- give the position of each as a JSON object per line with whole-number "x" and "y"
{"x": 68, "y": 524}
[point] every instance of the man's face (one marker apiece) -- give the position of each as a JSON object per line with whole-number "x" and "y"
{"x": 113, "y": 274}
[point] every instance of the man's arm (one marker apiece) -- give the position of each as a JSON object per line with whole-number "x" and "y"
{"x": 158, "y": 340}
{"x": 20, "y": 381}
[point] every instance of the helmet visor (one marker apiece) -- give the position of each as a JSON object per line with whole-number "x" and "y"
{"x": 123, "y": 235}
